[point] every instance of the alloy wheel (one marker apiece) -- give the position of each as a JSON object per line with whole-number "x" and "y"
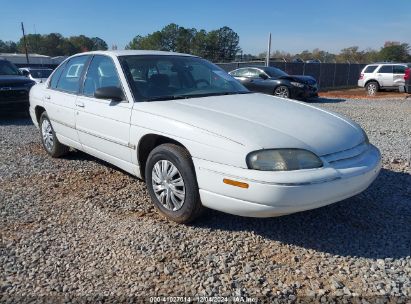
{"x": 281, "y": 92}
{"x": 372, "y": 89}
{"x": 47, "y": 133}
{"x": 168, "y": 185}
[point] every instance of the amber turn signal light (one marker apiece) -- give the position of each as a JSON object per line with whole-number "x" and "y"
{"x": 235, "y": 183}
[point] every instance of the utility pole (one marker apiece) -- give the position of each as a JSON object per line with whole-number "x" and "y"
{"x": 267, "y": 61}
{"x": 25, "y": 43}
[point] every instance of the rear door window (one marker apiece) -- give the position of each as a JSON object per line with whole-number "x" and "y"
{"x": 70, "y": 79}
{"x": 370, "y": 68}
{"x": 386, "y": 69}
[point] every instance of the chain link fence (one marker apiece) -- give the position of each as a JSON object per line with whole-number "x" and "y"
{"x": 328, "y": 75}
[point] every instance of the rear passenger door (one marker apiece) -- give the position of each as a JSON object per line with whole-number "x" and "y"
{"x": 60, "y": 98}
{"x": 385, "y": 76}
{"x": 104, "y": 125}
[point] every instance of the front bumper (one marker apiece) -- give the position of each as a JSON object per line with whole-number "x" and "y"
{"x": 15, "y": 99}
{"x": 278, "y": 193}
{"x": 305, "y": 92}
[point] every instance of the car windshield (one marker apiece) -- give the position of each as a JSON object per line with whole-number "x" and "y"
{"x": 164, "y": 77}
{"x": 7, "y": 68}
{"x": 274, "y": 72}
{"x": 40, "y": 73}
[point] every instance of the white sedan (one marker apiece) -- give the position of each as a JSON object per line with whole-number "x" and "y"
{"x": 198, "y": 137}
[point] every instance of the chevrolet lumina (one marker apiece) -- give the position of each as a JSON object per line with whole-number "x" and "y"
{"x": 198, "y": 137}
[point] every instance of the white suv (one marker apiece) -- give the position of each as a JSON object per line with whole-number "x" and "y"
{"x": 382, "y": 76}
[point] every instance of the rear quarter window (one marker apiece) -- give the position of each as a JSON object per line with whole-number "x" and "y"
{"x": 56, "y": 76}
{"x": 399, "y": 69}
{"x": 370, "y": 69}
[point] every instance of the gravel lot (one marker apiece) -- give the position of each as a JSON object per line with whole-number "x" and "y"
{"x": 77, "y": 229}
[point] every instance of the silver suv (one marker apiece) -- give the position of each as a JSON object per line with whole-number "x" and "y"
{"x": 382, "y": 76}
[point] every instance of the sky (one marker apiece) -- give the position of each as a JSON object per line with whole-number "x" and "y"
{"x": 295, "y": 25}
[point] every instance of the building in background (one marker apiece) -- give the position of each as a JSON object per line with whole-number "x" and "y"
{"x": 35, "y": 60}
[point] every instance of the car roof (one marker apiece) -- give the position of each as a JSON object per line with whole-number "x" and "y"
{"x": 387, "y": 63}
{"x": 118, "y": 53}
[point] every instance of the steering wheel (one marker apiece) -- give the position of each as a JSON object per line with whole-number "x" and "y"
{"x": 202, "y": 81}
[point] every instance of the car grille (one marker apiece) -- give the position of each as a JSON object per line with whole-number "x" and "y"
{"x": 13, "y": 95}
{"x": 11, "y": 84}
{"x": 351, "y": 154}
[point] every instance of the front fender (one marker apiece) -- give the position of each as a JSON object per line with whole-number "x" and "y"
{"x": 200, "y": 143}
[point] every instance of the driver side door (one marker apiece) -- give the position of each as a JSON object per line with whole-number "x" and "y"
{"x": 103, "y": 125}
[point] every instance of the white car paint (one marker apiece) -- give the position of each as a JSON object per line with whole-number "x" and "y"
{"x": 219, "y": 132}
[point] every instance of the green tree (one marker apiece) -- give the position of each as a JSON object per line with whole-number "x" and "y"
{"x": 351, "y": 54}
{"x": 8, "y": 47}
{"x": 199, "y": 43}
{"x": 395, "y": 52}
{"x": 228, "y": 44}
{"x": 185, "y": 40}
{"x": 82, "y": 43}
{"x": 217, "y": 45}
{"x": 99, "y": 44}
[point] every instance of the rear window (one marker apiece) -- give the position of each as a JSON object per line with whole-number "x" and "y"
{"x": 370, "y": 69}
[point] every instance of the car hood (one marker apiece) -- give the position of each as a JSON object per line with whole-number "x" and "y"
{"x": 261, "y": 121}
{"x": 14, "y": 80}
{"x": 304, "y": 79}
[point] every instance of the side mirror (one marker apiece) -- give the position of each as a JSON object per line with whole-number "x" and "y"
{"x": 25, "y": 73}
{"x": 112, "y": 93}
{"x": 263, "y": 76}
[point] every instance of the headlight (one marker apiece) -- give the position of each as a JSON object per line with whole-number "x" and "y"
{"x": 283, "y": 160}
{"x": 297, "y": 84}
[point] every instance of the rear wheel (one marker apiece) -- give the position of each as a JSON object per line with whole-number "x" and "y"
{"x": 172, "y": 183}
{"x": 282, "y": 91}
{"x": 49, "y": 139}
{"x": 372, "y": 88}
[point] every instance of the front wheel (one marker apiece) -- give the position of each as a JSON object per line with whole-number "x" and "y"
{"x": 49, "y": 139}
{"x": 172, "y": 184}
{"x": 282, "y": 91}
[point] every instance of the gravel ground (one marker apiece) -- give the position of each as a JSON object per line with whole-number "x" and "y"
{"x": 78, "y": 229}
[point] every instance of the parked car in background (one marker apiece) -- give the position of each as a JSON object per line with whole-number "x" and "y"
{"x": 377, "y": 76}
{"x": 14, "y": 88}
{"x": 273, "y": 81}
{"x": 39, "y": 75}
{"x": 200, "y": 138}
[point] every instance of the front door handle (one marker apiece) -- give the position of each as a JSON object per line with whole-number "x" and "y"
{"x": 80, "y": 104}
{"x": 47, "y": 97}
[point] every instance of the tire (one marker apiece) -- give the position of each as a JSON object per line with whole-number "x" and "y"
{"x": 282, "y": 91}
{"x": 372, "y": 88}
{"x": 49, "y": 139}
{"x": 172, "y": 204}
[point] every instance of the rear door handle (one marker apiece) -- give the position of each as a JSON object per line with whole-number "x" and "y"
{"x": 80, "y": 104}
